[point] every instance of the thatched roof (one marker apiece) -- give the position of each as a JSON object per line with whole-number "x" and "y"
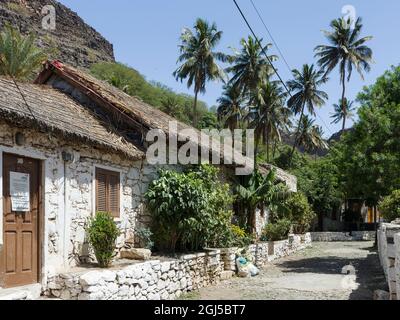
{"x": 135, "y": 112}
{"x": 289, "y": 179}
{"x": 51, "y": 110}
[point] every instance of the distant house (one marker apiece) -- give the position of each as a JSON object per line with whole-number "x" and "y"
{"x": 70, "y": 146}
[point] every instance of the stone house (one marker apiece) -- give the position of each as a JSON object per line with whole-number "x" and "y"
{"x": 70, "y": 145}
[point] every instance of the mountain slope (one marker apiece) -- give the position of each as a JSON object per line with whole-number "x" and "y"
{"x": 73, "y": 41}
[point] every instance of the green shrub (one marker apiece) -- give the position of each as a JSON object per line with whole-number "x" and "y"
{"x": 390, "y": 206}
{"x": 297, "y": 209}
{"x": 277, "y": 231}
{"x": 240, "y": 237}
{"x": 190, "y": 210}
{"x": 103, "y": 233}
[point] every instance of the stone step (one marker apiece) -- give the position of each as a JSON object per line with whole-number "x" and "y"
{"x": 29, "y": 292}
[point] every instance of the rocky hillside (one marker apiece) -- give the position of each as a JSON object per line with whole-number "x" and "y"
{"x": 72, "y": 41}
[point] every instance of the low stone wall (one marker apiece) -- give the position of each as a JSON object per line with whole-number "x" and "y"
{"x": 343, "y": 236}
{"x": 264, "y": 252}
{"x": 389, "y": 254}
{"x": 152, "y": 280}
{"x": 165, "y": 280}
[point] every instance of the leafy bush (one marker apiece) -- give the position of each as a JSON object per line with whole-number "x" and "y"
{"x": 191, "y": 210}
{"x": 277, "y": 231}
{"x": 240, "y": 237}
{"x": 103, "y": 233}
{"x": 390, "y": 206}
{"x": 297, "y": 209}
{"x": 145, "y": 236}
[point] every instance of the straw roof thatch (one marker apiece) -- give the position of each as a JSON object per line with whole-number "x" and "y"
{"x": 32, "y": 105}
{"x": 135, "y": 112}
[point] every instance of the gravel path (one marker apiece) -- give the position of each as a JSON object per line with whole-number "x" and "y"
{"x": 313, "y": 274}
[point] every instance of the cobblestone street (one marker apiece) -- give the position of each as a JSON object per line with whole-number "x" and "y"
{"x": 314, "y": 274}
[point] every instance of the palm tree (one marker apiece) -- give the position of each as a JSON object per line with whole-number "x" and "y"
{"x": 347, "y": 50}
{"x": 317, "y": 140}
{"x": 305, "y": 93}
{"x": 230, "y": 109}
{"x": 249, "y": 66}
{"x": 170, "y": 106}
{"x": 198, "y": 58}
{"x": 269, "y": 116}
{"x": 310, "y": 135}
{"x": 343, "y": 111}
{"x": 19, "y": 57}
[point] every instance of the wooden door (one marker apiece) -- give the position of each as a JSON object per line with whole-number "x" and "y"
{"x": 19, "y": 263}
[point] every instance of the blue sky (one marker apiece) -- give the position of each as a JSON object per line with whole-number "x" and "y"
{"x": 145, "y": 35}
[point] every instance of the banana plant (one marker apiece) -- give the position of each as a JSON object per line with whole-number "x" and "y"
{"x": 256, "y": 191}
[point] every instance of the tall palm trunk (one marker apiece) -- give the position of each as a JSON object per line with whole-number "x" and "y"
{"x": 196, "y": 92}
{"x": 344, "y": 98}
{"x": 274, "y": 149}
{"x": 297, "y": 133}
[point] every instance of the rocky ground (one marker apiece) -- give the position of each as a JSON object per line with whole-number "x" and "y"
{"x": 314, "y": 274}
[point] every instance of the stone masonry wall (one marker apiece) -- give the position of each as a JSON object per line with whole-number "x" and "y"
{"x": 343, "y": 236}
{"x": 152, "y": 280}
{"x": 389, "y": 254}
{"x": 166, "y": 280}
{"x": 69, "y": 193}
{"x": 264, "y": 252}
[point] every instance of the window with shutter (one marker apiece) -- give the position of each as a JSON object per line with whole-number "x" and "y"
{"x": 107, "y": 191}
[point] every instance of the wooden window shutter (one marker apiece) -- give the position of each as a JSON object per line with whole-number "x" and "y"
{"x": 107, "y": 192}
{"x": 114, "y": 195}
{"x": 101, "y": 192}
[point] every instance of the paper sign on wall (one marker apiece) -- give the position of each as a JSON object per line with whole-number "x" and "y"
{"x": 19, "y": 191}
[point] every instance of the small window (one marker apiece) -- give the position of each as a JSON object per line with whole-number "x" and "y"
{"x": 107, "y": 191}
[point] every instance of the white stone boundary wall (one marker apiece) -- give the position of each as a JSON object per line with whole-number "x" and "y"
{"x": 152, "y": 280}
{"x": 264, "y": 252}
{"x": 389, "y": 254}
{"x": 343, "y": 236}
{"x": 158, "y": 280}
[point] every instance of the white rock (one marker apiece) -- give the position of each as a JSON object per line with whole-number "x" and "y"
{"x": 96, "y": 296}
{"x": 171, "y": 273}
{"x": 92, "y": 289}
{"x": 135, "y": 254}
{"x": 148, "y": 277}
{"x": 112, "y": 287}
{"x": 108, "y": 276}
{"x": 161, "y": 285}
{"x": 183, "y": 283}
{"x": 154, "y": 296}
{"x": 165, "y": 296}
{"x": 143, "y": 284}
{"x": 91, "y": 278}
{"x": 165, "y": 266}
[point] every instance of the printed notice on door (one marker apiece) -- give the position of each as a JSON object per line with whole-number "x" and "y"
{"x": 19, "y": 191}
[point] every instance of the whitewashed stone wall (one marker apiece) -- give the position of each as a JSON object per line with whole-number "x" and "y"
{"x": 343, "y": 236}
{"x": 397, "y": 264}
{"x": 262, "y": 219}
{"x": 165, "y": 280}
{"x": 152, "y": 280}
{"x": 389, "y": 254}
{"x": 264, "y": 252}
{"x": 69, "y": 193}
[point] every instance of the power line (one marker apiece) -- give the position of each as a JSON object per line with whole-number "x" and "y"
{"x": 280, "y": 52}
{"x": 270, "y": 35}
{"x": 261, "y": 47}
